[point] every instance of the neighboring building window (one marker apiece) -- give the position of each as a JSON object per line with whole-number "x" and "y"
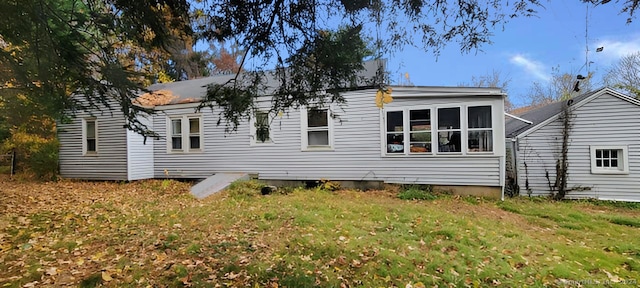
{"x": 395, "y": 132}
{"x": 90, "y": 139}
{"x": 185, "y": 133}
{"x": 480, "y": 133}
{"x": 449, "y": 133}
{"x": 317, "y": 126}
{"x": 609, "y": 160}
{"x": 261, "y": 132}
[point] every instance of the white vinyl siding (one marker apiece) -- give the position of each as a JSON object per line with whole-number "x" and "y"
{"x": 356, "y": 147}
{"x": 110, "y": 163}
{"x": 140, "y": 153}
{"x": 603, "y": 120}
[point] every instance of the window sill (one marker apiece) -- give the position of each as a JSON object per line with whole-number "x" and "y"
{"x": 318, "y": 149}
{"x": 90, "y": 154}
{"x": 186, "y": 152}
{"x": 609, "y": 172}
{"x": 266, "y": 143}
{"x": 431, "y": 155}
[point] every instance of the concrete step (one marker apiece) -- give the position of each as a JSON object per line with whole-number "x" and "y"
{"x": 216, "y": 183}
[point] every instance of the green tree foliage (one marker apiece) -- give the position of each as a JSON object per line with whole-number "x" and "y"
{"x": 106, "y": 49}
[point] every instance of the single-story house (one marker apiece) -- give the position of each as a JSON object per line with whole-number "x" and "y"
{"x": 603, "y": 151}
{"x": 446, "y": 136}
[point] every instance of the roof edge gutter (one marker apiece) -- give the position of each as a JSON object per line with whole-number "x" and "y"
{"x": 518, "y": 118}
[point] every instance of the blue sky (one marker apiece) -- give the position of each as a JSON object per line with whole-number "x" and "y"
{"x": 528, "y": 49}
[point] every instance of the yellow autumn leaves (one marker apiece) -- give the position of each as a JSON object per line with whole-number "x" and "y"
{"x": 383, "y": 96}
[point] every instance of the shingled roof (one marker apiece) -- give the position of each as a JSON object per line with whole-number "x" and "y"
{"x": 515, "y": 127}
{"x": 194, "y": 90}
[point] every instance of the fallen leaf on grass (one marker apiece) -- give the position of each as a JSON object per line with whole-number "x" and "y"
{"x": 106, "y": 276}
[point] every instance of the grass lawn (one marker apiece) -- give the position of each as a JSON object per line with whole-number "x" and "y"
{"x": 154, "y": 233}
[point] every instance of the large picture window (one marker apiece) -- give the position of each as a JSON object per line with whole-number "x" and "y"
{"x": 480, "y": 132}
{"x": 420, "y": 130}
{"x": 90, "y": 136}
{"x": 185, "y": 134}
{"x": 449, "y": 133}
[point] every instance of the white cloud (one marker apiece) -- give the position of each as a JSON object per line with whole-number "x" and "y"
{"x": 532, "y": 67}
{"x": 615, "y": 49}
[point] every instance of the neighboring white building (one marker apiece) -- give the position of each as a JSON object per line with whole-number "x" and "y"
{"x": 449, "y": 136}
{"x": 603, "y": 149}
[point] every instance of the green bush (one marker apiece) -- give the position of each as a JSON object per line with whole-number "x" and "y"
{"x": 244, "y": 188}
{"x": 417, "y": 192}
{"x": 34, "y": 154}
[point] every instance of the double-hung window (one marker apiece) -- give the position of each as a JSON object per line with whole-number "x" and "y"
{"x": 395, "y": 132}
{"x": 480, "y": 133}
{"x": 414, "y": 125}
{"x": 176, "y": 134}
{"x": 185, "y": 133}
{"x": 89, "y": 136}
{"x": 611, "y": 159}
{"x": 317, "y": 128}
{"x": 260, "y": 128}
{"x": 449, "y": 132}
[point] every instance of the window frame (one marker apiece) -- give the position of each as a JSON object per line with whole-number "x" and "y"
{"x": 492, "y": 129}
{"x": 253, "y": 131}
{"x": 464, "y": 131}
{"x": 460, "y": 129}
{"x": 304, "y": 129}
{"x": 623, "y": 159}
{"x": 85, "y": 145}
{"x": 185, "y": 133}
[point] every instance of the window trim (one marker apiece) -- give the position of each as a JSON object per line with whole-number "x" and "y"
{"x": 464, "y": 110}
{"x": 304, "y": 129}
{"x": 85, "y": 148}
{"x": 185, "y": 134}
{"x": 252, "y": 129}
{"x": 623, "y": 160}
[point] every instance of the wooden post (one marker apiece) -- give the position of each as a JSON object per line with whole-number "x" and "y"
{"x": 13, "y": 161}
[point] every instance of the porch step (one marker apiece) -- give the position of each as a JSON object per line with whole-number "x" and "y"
{"x": 216, "y": 183}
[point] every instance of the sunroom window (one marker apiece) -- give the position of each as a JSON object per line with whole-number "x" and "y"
{"x": 420, "y": 133}
{"x": 449, "y": 133}
{"x": 480, "y": 133}
{"x": 395, "y": 132}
